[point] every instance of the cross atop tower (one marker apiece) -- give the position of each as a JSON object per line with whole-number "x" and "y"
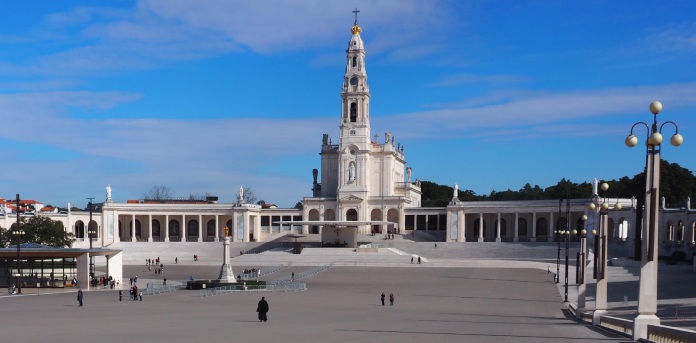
{"x": 356, "y": 15}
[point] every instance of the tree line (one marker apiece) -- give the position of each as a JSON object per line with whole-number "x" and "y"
{"x": 676, "y": 184}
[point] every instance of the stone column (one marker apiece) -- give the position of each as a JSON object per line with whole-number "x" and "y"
{"x": 149, "y": 226}
{"x": 217, "y": 228}
{"x": 582, "y": 288}
{"x": 226, "y": 273}
{"x": 601, "y": 254}
{"x": 184, "y": 229}
{"x": 533, "y": 239}
{"x": 517, "y": 227}
{"x": 480, "y": 228}
{"x": 200, "y": 228}
{"x": 550, "y": 235}
{"x": 647, "y": 291}
{"x": 497, "y": 229}
{"x": 461, "y": 234}
{"x": 166, "y": 228}
{"x": 133, "y": 228}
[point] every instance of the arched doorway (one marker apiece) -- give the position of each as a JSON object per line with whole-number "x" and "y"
{"x": 174, "y": 230}
{"x": 376, "y": 214}
{"x": 192, "y": 230}
{"x": 156, "y": 230}
{"x": 522, "y": 228}
{"x": 210, "y": 229}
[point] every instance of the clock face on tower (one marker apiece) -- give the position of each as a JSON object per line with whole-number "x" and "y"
{"x": 353, "y": 80}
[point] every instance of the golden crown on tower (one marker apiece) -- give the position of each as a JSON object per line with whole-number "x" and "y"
{"x": 355, "y": 29}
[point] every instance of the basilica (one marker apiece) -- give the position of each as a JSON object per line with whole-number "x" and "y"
{"x": 364, "y": 177}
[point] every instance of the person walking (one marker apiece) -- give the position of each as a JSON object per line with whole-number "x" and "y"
{"x": 391, "y": 299}
{"x": 419, "y": 260}
{"x": 262, "y": 309}
{"x": 382, "y": 297}
{"x": 79, "y": 296}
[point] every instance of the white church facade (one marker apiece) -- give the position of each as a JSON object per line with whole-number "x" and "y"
{"x": 365, "y": 177}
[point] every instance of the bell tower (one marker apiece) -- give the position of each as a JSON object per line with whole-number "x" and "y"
{"x": 355, "y": 94}
{"x": 354, "y": 141}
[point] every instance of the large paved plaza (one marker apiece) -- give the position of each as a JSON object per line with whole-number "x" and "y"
{"x": 340, "y": 305}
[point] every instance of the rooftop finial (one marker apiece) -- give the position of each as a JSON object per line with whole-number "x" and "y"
{"x": 356, "y": 29}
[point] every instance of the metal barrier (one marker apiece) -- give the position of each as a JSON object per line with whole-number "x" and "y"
{"x": 264, "y": 272}
{"x": 302, "y": 275}
{"x": 290, "y": 287}
{"x": 152, "y": 289}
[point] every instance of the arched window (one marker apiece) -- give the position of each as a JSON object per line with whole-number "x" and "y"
{"x": 79, "y": 229}
{"x": 174, "y": 228}
{"x": 210, "y": 232}
{"x": 543, "y": 227}
{"x": 192, "y": 228}
{"x": 156, "y": 228}
{"x": 353, "y": 112}
{"x": 522, "y": 227}
{"x": 355, "y": 62}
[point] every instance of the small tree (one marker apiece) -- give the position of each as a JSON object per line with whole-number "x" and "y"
{"x": 249, "y": 197}
{"x": 40, "y": 230}
{"x": 160, "y": 192}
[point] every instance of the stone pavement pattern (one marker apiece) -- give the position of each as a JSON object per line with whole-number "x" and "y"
{"x": 341, "y": 305}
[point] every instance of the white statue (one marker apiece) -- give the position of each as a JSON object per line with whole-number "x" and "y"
{"x": 595, "y": 187}
{"x": 408, "y": 174}
{"x": 108, "y": 193}
{"x": 351, "y": 172}
{"x": 456, "y": 190}
{"x": 241, "y": 194}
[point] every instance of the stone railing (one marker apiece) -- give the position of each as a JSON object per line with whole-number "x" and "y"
{"x": 620, "y": 325}
{"x": 668, "y": 334}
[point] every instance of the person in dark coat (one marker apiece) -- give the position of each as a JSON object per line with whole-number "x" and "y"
{"x": 382, "y": 297}
{"x": 262, "y": 309}
{"x": 79, "y": 296}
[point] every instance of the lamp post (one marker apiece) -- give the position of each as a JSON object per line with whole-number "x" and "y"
{"x": 90, "y": 233}
{"x": 558, "y": 239}
{"x": 567, "y": 242}
{"x": 580, "y": 268}
{"x": 18, "y": 232}
{"x": 601, "y": 249}
{"x": 647, "y": 294}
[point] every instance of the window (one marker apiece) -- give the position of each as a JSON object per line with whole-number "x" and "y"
{"x": 353, "y": 112}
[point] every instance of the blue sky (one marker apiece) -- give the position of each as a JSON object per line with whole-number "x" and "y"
{"x": 207, "y": 96}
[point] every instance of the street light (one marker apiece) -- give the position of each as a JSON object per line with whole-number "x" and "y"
{"x": 647, "y": 294}
{"x": 18, "y": 232}
{"x": 580, "y": 268}
{"x": 600, "y": 251}
{"x": 90, "y": 233}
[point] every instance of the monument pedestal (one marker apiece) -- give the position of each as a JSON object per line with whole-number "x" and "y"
{"x": 226, "y": 273}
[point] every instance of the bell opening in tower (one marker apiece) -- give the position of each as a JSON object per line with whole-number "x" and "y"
{"x": 353, "y": 112}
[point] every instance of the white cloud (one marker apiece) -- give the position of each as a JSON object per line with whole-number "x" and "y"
{"x": 531, "y": 109}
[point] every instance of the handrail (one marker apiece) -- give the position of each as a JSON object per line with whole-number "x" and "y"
{"x": 660, "y": 334}
{"x": 619, "y": 325}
